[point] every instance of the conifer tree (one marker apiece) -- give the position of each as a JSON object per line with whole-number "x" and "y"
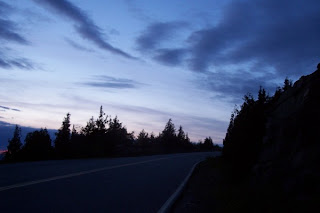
{"x": 37, "y": 145}
{"x": 62, "y": 141}
{"x": 14, "y": 144}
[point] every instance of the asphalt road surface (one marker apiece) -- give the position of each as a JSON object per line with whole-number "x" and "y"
{"x": 135, "y": 184}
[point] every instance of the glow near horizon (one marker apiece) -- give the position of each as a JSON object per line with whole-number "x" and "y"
{"x": 44, "y": 96}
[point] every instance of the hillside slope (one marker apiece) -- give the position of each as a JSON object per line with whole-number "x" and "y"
{"x": 288, "y": 163}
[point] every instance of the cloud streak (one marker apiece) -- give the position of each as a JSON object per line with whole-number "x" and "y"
{"x": 84, "y": 25}
{"x": 77, "y": 46}
{"x": 10, "y": 32}
{"x": 104, "y": 81}
{"x": 8, "y": 108}
{"x": 158, "y": 32}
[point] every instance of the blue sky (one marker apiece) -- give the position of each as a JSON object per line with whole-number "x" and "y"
{"x": 148, "y": 61}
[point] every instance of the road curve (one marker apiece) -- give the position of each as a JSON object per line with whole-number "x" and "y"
{"x": 135, "y": 184}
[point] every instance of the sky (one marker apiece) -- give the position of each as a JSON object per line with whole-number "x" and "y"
{"x": 148, "y": 61}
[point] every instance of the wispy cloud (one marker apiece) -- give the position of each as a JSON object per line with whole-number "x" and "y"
{"x": 170, "y": 57}
{"x": 156, "y": 33}
{"x": 8, "y": 108}
{"x": 8, "y": 62}
{"x": 84, "y": 25}
{"x": 11, "y": 33}
{"x": 77, "y": 46}
{"x": 103, "y": 81}
{"x": 277, "y": 39}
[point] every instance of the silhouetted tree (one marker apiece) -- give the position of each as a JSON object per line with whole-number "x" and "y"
{"x": 181, "y": 135}
{"x": 102, "y": 122}
{"x": 14, "y": 145}
{"x": 168, "y": 137}
{"x": 262, "y": 96}
{"x": 143, "y": 138}
{"x": 287, "y": 84}
{"x": 37, "y": 145}
{"x": 245, "y": 132}
{"x": 62, "y": 141}
{"x": 208, "y": 144}
{"x": 90, "y": 128}
{"x": 117, "y": 133}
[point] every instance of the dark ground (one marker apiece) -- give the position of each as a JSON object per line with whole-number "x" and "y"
{"x": 199, "y": 192}
{"x": 136, "y": 184}
{"x": 214, "y": 188}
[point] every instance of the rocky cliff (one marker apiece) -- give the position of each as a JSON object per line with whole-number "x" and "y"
{"x": 289, "y": 161}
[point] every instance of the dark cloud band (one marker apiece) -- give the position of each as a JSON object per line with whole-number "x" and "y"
{"x": 84, "y": 25}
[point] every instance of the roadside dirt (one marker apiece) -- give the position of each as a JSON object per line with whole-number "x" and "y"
{"x": 199, "y": 193}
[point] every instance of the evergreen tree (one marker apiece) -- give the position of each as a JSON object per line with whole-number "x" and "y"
{"x": 37, "y": 145}
{"x": 169, "y": 138}
{"x": 262, "y": 96}
{"x": 14, "y": 145}
{"x": 90, "y": 128}
{"x": 101, "y": 122}
{"x": 62, "y": 141}
{"x": 208, "y": 144}
{"x": 169, "y": 130}
{"x": 287, "y": 84}
{"x": 143, "y": 138}
{"x": 181, "y": 135}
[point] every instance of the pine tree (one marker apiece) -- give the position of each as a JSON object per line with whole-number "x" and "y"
{"x": 143, "y": 138}
{"x": 101, "y": 122}
{"x": 37, "y": 145}
{"x": 90, "y": 128}
{"x": 287, "y": 84}
{"x": 14, "y": 145}
{"x": 169, "y": 138}
{"x": 62, "y": 141}
{"x": 181, "y": 135}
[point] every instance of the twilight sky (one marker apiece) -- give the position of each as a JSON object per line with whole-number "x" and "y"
{"x": 148, "y": 61}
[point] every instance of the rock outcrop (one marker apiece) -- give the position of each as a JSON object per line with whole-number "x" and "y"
{"x": 289, "y": 161}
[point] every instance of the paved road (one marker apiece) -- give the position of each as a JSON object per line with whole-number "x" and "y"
{"x": 137, "y": 184}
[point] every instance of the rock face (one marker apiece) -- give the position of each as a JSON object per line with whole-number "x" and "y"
{"x": 290, "y": 156}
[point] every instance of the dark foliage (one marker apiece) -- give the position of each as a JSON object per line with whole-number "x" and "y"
{"x": 246, "y": 129}
{"x": 37, "y": 146}
{"x": 14, "y": 146}
{"x": 62, "y": 142}
{"x": 103, "y": 137}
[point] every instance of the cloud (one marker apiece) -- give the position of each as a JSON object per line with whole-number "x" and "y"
{"x": 158, "y": 32}
{"x": 104, "y": 81}
{"x": 8, "y": 108}
{"x": 84, "y": 25}
{"x": 8, "y": 62}
{"x": 232, "y": 86}
{"x": 170, "y": 56}
{"x": 77, "y": 46}
{"x": 10, "y": 32}
{"x": 9, "y": 29}
{"x": 257, "y": 40}
{"x": 272, "y": 33}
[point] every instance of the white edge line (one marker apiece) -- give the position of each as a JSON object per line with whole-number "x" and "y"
{"x": 166, "y": 207}
{"x": 18, "y": 185}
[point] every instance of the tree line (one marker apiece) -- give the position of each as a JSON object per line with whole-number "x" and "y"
{"x": 101, "y": 137}
{"x": 247, "y": 126}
